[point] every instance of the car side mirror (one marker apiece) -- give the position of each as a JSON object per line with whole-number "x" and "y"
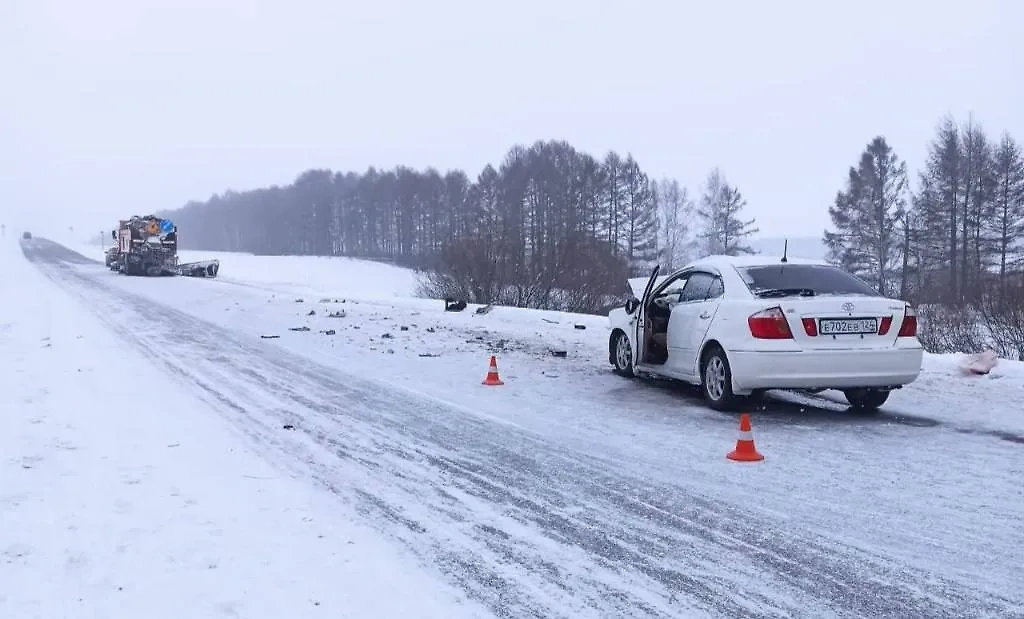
{"x": 113, "y": 234}
{"x": 632, "y": 304}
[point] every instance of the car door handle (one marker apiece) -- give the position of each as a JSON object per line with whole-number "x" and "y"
{"x": 705, "y": 315}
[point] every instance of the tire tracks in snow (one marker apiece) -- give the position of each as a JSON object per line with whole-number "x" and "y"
{"x": 519, "y": 522}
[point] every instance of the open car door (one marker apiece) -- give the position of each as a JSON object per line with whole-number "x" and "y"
{"x": 641, "y": 317}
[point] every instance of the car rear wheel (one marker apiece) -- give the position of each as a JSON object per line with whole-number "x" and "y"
{"x": 623, "y": 355}
{"x": 866, "y": 400}
{"x": 716, "y": 380}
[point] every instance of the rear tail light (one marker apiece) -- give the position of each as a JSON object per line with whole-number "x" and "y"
{"x": 810, "y": 327}
{"x": 885, "y": 325}
{"x": 909, "y": 326}
{"x": 769, "y": 324}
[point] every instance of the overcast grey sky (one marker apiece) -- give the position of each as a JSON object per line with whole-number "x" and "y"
{"x": 115, "y": 107}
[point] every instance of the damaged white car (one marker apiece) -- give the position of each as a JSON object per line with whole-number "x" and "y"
{"x": 738, "y": 326}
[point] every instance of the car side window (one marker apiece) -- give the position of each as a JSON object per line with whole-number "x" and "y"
{"x": 698, "y": 287}
{"x": 717, "y": 288}
{"x": 675, "y": 286}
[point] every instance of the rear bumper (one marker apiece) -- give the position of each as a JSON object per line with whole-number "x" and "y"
{"x": 842, "y": 369}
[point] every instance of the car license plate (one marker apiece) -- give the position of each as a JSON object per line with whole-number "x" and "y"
{"x": 845, "y": 326}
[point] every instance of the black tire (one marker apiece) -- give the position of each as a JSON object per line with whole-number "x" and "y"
{"x": 866, "y": 401}
{"x": 716, "y": 380}
{"x": 758, "y": 399}
{"x": 622, "y": 355}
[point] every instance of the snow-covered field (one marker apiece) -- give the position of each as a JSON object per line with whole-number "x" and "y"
{"x": 381, "y": 293}
{"x": 568, "y": 492}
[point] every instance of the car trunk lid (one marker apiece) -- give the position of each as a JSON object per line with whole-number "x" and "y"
{"x": 843, "y": 322}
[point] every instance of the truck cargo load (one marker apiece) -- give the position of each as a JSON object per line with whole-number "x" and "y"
{"x": 149, "y": 246}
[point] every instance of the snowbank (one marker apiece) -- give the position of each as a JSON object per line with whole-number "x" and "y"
{"x": 300, "y": 274}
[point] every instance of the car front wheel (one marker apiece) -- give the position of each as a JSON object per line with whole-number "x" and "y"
{"x": 623, "y": 355}
{"x": 716, "y": 380}
{"x": 866, "y": 400}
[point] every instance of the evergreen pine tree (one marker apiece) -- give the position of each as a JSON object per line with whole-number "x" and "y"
{"x": 723, "y": 232}
{"x": 869, "y": 218}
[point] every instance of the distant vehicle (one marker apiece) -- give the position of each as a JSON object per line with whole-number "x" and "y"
{"x": 149, "y": 246}
{"x": 26, "y": 235}
{"x": 738, "y": 326}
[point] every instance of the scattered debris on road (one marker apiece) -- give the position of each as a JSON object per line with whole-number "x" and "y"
{"x": 451, "y": 305}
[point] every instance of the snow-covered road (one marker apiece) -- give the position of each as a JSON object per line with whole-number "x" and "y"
{"x": 574, "y": 493}
{"x": 123, "y": 496}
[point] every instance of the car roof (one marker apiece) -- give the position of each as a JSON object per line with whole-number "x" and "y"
{"x": 719, "y": 264}
{"x": 756, "y": 260}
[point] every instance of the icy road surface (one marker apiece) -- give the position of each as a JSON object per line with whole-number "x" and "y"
{"x": 123, "y": 496}
{"x": 597, "y": 496}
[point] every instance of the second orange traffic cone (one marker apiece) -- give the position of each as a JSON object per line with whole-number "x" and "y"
{"x": 745, "y": 450}
{"x": 492, "y": 374}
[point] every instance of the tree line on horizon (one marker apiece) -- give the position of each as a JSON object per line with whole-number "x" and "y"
{"x": 552, "y": 227}
{"x": 549, "y": 227}
{"x": 954, "y": 245}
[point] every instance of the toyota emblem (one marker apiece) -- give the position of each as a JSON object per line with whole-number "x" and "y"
{"x": 848, "y": 307}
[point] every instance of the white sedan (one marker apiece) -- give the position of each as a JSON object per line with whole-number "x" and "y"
{"x": 738, "y": 326}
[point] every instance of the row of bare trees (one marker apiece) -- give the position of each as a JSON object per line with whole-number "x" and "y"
{"x": 954, "y": 244}
{"x": 549, "y": 227}
{"x": 552, "y": 227}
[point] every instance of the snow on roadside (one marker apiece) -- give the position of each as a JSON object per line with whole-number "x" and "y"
{"x": 380, "y": 301}
{"x": 123, "y": 495}
{"x": 301, "y": 274}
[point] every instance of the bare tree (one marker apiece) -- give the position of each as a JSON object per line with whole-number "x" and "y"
{"x": 675, "y": 208}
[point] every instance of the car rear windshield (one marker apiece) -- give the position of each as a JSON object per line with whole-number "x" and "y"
{"x": 822, "y": 279}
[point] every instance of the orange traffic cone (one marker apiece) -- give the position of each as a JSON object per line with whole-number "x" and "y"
{"x": 745, "y": 450}
{"x": 492, "y": 373}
